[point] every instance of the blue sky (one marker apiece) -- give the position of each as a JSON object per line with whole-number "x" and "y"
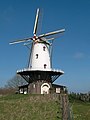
{"x": 71, "y": 51}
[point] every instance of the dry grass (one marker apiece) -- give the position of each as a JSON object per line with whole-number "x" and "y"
{"x": 27, "y": 107}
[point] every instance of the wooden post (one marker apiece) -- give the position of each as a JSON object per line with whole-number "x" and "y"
{"x": 65, "y": 107}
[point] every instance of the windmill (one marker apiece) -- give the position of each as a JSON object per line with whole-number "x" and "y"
{"x": 39, "y": 73}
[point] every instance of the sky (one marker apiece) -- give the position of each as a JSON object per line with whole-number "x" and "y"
{"x": 71, "y": 51}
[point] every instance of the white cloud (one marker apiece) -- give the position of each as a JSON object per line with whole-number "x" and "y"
{"x": 79, "y": 55}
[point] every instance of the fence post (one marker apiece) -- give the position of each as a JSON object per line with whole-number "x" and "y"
{"x": 65, "y": 107}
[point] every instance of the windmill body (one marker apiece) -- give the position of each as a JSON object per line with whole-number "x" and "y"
{"x": 40, "y": 57}
{"x": 39, "y": 73}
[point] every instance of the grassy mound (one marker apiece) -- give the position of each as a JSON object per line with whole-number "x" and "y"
{"x": 29, "y": 107}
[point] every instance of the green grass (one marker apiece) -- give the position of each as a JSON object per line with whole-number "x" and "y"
{"x": 80, "y": 109}
{"x": 39, "y": 107}
{"x": 29, "y": 107}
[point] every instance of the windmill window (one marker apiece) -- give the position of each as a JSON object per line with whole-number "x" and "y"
{"x": 45, "y": 66}
{"x": 44, "y": 48}
{"x": 33, "y": 85}
{"x": 36, "y": 56}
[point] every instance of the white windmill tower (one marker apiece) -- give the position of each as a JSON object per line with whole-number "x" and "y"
{"x": 39, "y": 73}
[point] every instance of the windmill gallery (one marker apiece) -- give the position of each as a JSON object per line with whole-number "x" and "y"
{"x": 39, "y": 73}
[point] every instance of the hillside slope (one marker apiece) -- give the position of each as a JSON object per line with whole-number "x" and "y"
{"x": 29, "y": 107}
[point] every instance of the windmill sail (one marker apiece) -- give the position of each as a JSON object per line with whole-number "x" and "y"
{"x": 52, "y": 35}
{"x": 36, "y": 22}
{"x": 19, "y": 41}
